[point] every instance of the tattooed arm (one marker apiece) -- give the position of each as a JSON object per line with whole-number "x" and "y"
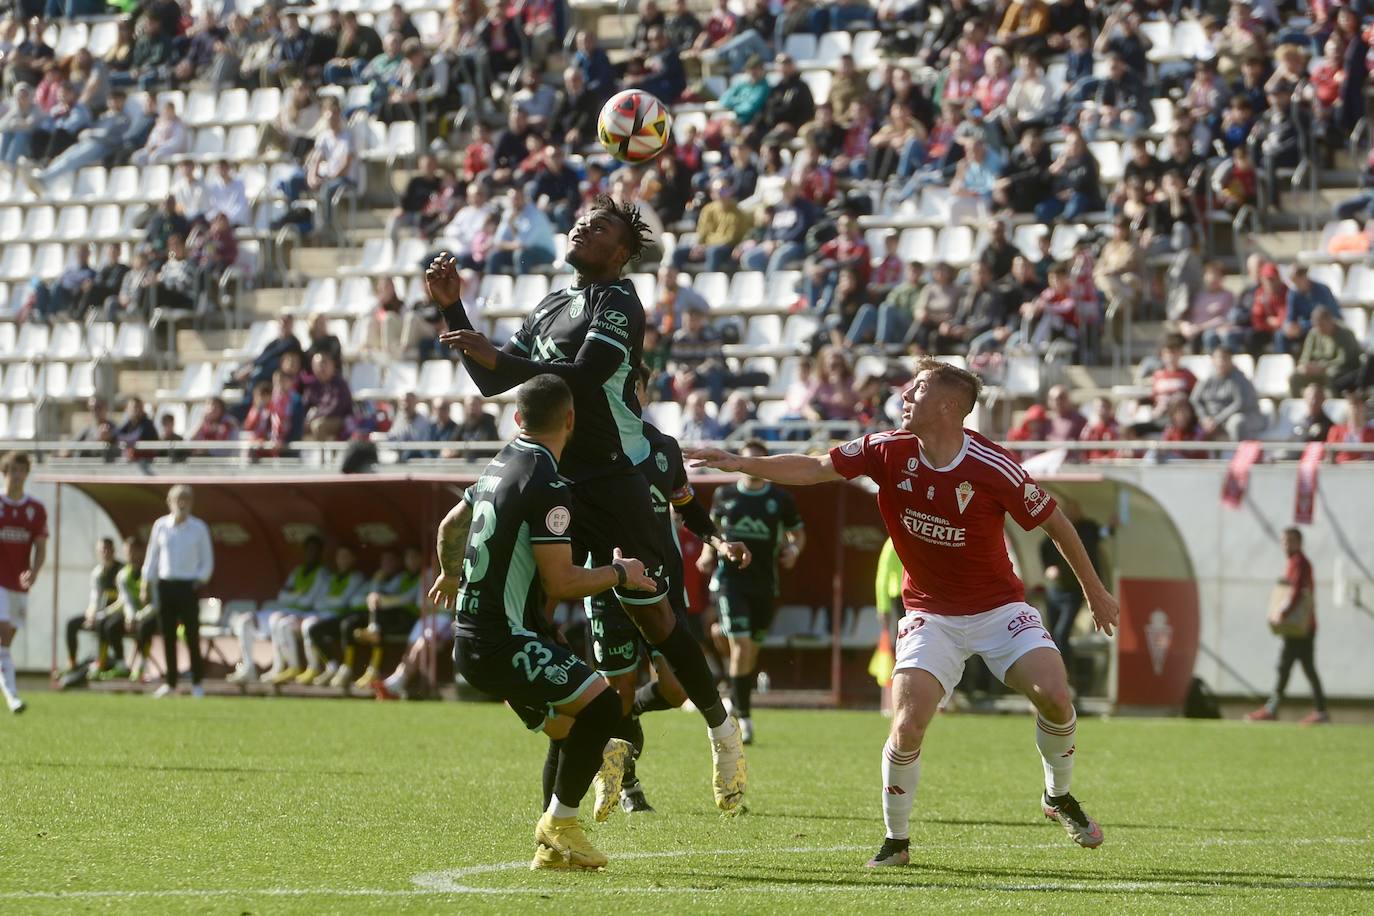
{"x": 453, "y": 544}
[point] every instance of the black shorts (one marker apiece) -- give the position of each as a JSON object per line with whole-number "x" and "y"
{"x": 532, "y": 674}
{"x": 617, "y": 511}
{"x": 746, "y": 611}
{"x": 617, "y": 644}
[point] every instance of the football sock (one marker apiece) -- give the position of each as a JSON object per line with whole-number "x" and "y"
{"x": 901, "y": 773}
{"x": 689, "y": 664}
{"x": 634, "y": 733}
{"x": 247, "y": 632}
{"x": 551, "y": 769}
{"x": 650, "y": 699}
{"x": 286, "y": 638}
{"x": 1056, "y": 744}
{"x": 7, "y": 675}
{"x": 584, "y": 748}
{"x": 743, "y": 687}
{"x": 375, "y": 660}
{"x": 724, "y": 729}
{"x": 348, "y": 653}
{"x": 557, "y": 809}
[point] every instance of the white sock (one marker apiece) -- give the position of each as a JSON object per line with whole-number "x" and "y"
{"x": 396, "y": 681}
{"x": 7, "y": 676}
{"x": 331, "y": 668}
{"x": 1056, "y": 744}
{"x": 247, "y": 633}
{"x": 724, "y": 729}
{"x": 901, "y": 773}
{"x": 312, "y": 655}
{"x": 558, "y": 809}
{"x": 291, "y": 648}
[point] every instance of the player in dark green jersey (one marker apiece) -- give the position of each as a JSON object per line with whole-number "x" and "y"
{"x": 502, "y": 550}
{"x": 763, "y": 516}
{"x": 591, "y": 335}
{"x": 618, "y": 648}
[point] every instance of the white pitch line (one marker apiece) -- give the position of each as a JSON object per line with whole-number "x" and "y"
{"x": 446, "y": 883}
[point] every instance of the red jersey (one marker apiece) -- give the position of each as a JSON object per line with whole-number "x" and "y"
{"x": 21, "y": 523}
{"x": 1167, "y": 384}
{"x": 1342, "y": 434}
{"x": 1297, "y": 573}
{"x": 946, "y": 524}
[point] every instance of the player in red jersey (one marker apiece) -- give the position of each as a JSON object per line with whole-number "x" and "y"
{"x": 944, "y": 493}
{"x": 23, "y": 548}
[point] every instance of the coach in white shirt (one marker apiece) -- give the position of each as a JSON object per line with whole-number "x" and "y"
{"x": 179, "y": 562}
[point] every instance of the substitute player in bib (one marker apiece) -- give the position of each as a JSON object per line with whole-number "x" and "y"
{"x": 765, "y": 517}
{"x": 503, "y": 549}
{"x": 944, "y": 493}
{"x": 23, "y": 550}
{"x": 591, "y": 335}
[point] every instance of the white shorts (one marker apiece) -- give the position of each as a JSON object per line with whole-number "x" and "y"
{"x": 941, "y": 644}
{"x": 14, "y": 606}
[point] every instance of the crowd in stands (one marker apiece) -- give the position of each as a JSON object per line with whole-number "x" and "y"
{"x": 998, "y": 113}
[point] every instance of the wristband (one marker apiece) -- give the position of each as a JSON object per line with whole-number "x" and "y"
{"x": 620, "y": 577}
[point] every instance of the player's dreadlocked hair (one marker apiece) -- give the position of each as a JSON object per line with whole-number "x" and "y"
{"x": 638, "y": 235}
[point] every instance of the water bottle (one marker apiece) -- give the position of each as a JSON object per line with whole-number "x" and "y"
{"x": 763, "y": 682}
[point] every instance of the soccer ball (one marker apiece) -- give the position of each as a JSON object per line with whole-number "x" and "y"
{"x": 634, "y": 126}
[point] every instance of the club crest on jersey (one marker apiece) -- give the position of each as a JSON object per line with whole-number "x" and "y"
{"x": 912, "y": 464}
{"x": 1036, "y": 498}
{"x": 930, "y": 492}
{"x": 661, "y": 462}
{"x": 575, "y": 307}
{"x": 28, "y": 512}
{"x": 964, "y": 494}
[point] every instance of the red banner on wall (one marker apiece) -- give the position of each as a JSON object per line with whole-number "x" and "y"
{"x": 1238, "y": 474}
{"x": 1306, "y": 497}
{"x": 1158, "y": 641}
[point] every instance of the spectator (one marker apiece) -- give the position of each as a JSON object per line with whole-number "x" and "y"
{"x": 332, "y": 166}
{"x": 178, "y": 279}
{"x": 293, "y": 130}
{"x": 675, "y": 299}
{"x": 1210, "y": 311}
{"x": 443, "y": 428}
{"x": 103, "y": 290}
{"x": 1170, "y": 382}
{"x": 1052, "y": 317}
{"x": 217, "y": 425}
{"x": 270, "y": 415}
{"x": 1076, "y": 188}
{"x": 696, "y": 361}
{"x": 226, "y": 196}
{"x": 1034, "y": 427}
{"x": 1269, "y": 304}
{"x": 92, "y": 620}
{"x": 168, "y": 433}
{"x": 1101, "y": 428}
{"x": 790, "y": 104}
{"x": 847, "y": 249}
{"x": 1182, "y": 426}
{"x": 136, "y": 427}
{"x": 574, "y": 117}
{"x": 721, "y": 226}
{"x": 935, "y": 307}
{"x": 169, "y": 138}
{"x": 179, "y": 562}
{"x": 410, "y": 425}
{"x": 1304, "y": 297}
{"x": 746, "y": 98}
{"x": 1296, "y": 609}
{"x": 1066, "y": 423}
{"x": 93, "y": 145}
{"x": 65, "y": 121}
{"x": 553, "y": 186}
{"x": 18, "y": 125}
{"x": 1355, "y": 430}
{"x": 477, "y": 426}
{"x": 841, "y": 308}
{"x": 99, "y": 429}
{"x": 460, "y": 233}
{"x": 831, "y": 396}
{"x": 260, "y": 370}
{"x": 535, "y": 98}
{"x": 322, "y": 341}
{"x": 595, "y": 68}
{"x": 668, "y": 188}
{"x": 356, "y": 46}
{"x": 783, "y": 244}
{"x": 1330, "y": 356}
{"x": 1313, "y": 425}
{"x": 682, "y": 27}
{"x": 999, "y": 251}
{"x": 735, "y": 415}
{"x": 1226, "y": 403}
{"x": 1063, "y": 594}
{"x": 327, "y": 402}
{"x": 1027, "y": 179}
{"x": 217, "y": 250}
{"x": 662, "y": 74}
{"x": 62, "y": 296}
{"x": 1280, "y": 137}
{"x": 1234, "y": 181}
{"x": 524, "y": 239}
{"x": 698, "y": 426}
{"x": 1172, "y": 218}
{"x": 1120, "y": 270}
{"x": 152, "y": 55}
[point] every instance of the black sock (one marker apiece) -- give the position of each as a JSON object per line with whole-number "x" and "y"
{"x": 550, "y": 769}
{"x": 743, "y": 685}
{"x": 584, "y": 747}
{"x": 689, "y": 664}
{"x": 635, "y": 733}
{"x": 650, "y": 699}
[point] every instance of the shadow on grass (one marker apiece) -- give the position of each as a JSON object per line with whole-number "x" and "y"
{"x": 166, "y": 768}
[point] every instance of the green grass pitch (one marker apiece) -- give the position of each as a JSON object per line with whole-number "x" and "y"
{"x": 123, "y": 804}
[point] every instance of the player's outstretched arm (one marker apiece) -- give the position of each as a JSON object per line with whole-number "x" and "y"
{"x": 564, "y": 580}
{"x": 792, "y": 470}
{"x": 452, "y": 545}
{"x": 1106, "y": 611}
{"x": 445, "y": 290}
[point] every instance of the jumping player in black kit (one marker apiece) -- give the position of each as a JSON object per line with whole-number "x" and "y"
{"x": 503, "y": 550}
{"x": 617, "y": 646}
{"x": 591, "y": 336}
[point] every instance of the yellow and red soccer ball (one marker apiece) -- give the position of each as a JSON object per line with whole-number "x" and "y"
{"x": 634, "y": 126}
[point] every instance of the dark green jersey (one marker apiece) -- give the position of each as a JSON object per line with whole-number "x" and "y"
{"x": 518, "y": 502}
{"x": 760, "y": 518}
{"x": 609, "y": 436}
